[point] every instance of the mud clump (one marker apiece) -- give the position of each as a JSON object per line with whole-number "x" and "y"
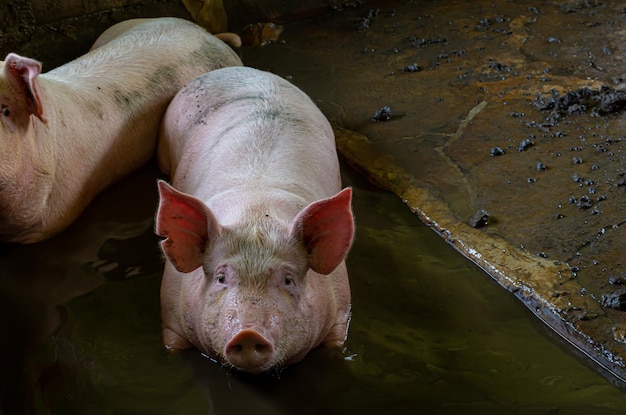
{"x": 423, "y": 42}
{"x": 479, "y": 219}
{"x": 496, "y": 151}
{"x": 613, "y": 280}
{"x": 486, "y": 24}
{"x": 583, "y": 203}
{"x": 411, "y": 68}
{"x": 525, "y": 144}
{"x": 365, "y": 22}
{"x": 605, "y": 101}
{"x": 382, "y": 114}
{"x": 615, "y": 300}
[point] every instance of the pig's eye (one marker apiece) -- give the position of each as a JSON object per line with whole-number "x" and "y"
{"x": 289, "y": 281}
{"x": 5, "y": 110}
{"x": 221, "y": 278}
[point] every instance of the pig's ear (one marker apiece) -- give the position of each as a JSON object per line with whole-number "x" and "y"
{"x": 22, "y": 73}
{"x": 326, "y": 228}
{"x": 187, "y": 224}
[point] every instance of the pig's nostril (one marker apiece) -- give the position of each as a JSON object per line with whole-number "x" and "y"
{"x": 249, "y": 350}
{"x": 261, "y": 348}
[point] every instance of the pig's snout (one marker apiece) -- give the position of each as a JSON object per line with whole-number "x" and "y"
{"x": 248, "y": 350}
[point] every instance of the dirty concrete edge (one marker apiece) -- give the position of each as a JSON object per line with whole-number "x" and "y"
{"x": 549, "y": 289}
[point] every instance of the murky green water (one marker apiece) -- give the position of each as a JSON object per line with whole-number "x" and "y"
{"x": 430, "y": 333}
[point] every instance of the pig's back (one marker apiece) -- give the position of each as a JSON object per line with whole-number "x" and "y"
{"x": 245, "y": 127}
{"x": 133, "y": 45}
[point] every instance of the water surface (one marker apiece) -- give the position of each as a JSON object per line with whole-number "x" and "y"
{"x": 430, "y": 332}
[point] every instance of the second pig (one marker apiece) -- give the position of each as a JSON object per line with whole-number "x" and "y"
{"x": 69, "y": 133}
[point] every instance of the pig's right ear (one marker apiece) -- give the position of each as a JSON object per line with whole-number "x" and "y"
{"x": 22, "y": 73}
{"x": 187, "y": 224}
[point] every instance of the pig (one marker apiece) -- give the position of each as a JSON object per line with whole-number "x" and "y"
{"x": 69, "y": 133}
{"x": 255, "y": 223}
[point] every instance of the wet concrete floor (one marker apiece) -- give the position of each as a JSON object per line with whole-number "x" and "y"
{"x": 501, "y": 124}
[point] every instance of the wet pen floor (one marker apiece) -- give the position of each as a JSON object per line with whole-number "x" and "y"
{"x": 499, "y": 124}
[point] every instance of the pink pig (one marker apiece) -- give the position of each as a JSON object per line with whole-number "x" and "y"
{"x": 71, "y": 132}
{"x": 255, "y": 274}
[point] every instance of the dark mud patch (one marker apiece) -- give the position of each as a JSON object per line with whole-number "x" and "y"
{"x": 600, "y": 102}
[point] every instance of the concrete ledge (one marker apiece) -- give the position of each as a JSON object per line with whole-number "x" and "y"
{"x": 548, "y": 288}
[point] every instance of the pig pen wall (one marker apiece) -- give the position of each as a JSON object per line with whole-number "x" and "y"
{"x": 55, "y": 31}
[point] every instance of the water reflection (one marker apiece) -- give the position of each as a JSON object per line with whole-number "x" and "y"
{"x": 38, "y": 281}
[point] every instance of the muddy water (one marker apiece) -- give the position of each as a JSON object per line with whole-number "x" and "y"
{"x": 430, "y": 332}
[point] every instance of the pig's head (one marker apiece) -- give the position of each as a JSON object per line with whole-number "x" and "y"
{"x": 25, "y": 176}
{"x": 258, "y": 295}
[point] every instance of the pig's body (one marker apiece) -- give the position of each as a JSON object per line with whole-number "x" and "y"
{"x": 71, "y": 132}
{"x": 257, "y": 156}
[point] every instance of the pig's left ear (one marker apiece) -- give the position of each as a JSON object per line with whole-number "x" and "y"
{"x": 187, "y": 224}
{"x": 326, "y": 228}
{"x": 22, "y": 73}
